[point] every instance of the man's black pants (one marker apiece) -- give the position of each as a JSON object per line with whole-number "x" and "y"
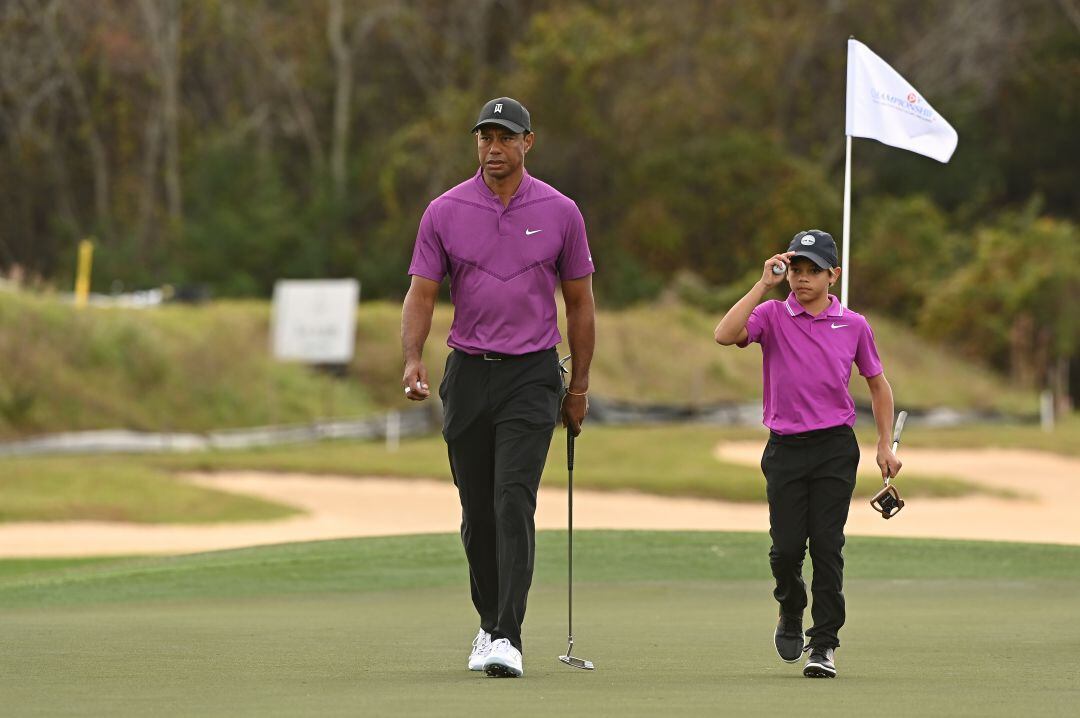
{"x": 498, "y": 418}
{"x": 809, "y": 480}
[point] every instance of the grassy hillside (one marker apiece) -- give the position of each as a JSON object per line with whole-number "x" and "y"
{"x": 199, "y": 368}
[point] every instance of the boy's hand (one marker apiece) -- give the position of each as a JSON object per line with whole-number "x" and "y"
{"x": 770, "y": 278}
{"x": 887, "y": 462}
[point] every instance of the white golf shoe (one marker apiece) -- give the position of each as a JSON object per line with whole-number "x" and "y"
{"x": 503, "y": 661}
{"x": 481, "y": 647}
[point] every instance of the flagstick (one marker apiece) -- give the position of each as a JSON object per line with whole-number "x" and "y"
{"x": 845, "y": 259}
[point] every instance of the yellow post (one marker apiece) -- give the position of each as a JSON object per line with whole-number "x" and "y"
{"x": 82, "y": 275}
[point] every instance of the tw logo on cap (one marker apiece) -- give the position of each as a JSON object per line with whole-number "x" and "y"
{"x": 498, "y": 109}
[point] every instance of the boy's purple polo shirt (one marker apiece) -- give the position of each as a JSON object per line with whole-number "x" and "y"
{"x": 806, "y": 363}
{"x": 503, "y": 262}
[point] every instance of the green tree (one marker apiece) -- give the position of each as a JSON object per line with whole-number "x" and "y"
{"x": 1013, "y": 302}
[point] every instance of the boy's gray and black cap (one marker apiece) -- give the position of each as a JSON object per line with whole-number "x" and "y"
{"x": 505, "y": 112}
{"x": 817, "y": 246}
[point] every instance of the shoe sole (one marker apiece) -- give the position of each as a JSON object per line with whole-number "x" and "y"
{"x": 498, "y": 670}
{"x": 796, "y": 659}
{"x": 816, "y": 670}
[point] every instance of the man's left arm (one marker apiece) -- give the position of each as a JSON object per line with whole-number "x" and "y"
{"x": 881, "y": 399}
{"x": 581, "y": 330}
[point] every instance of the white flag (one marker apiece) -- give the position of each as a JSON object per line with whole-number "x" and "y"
{"x": 883, "y": 106}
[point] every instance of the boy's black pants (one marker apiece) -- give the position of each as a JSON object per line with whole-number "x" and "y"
{"x": 809, "y": 480}
{"x": 499, "y": 413}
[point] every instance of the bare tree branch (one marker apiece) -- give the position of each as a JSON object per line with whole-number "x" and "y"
{"x": 98, "y": 155}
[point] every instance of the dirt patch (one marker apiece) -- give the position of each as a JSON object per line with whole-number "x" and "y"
{"x": 340, "y": 507}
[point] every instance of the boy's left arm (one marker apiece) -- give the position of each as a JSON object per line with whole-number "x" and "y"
{"x": 881, "y": 398}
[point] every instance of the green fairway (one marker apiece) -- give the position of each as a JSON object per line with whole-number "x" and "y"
{"x": 666, "y": 460}
{"x": 117, "y": 488}
{"x": 677, "y": 623}
{"x": 673, "y": 460}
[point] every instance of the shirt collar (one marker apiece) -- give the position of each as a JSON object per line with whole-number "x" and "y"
{"x": 485, "y": 191}
{"x": 835, "y": 309}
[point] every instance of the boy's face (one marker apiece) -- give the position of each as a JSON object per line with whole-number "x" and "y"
{"x": 809, "y": 281}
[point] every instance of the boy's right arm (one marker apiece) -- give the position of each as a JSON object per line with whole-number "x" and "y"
{"x": 732, "y": 328}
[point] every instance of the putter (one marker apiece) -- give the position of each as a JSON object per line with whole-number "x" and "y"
{"x": 887, "y": 502}
{"x": 570, "y": 659}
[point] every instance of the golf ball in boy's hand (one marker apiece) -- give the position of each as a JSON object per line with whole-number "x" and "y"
{"x": 779, "y": 268}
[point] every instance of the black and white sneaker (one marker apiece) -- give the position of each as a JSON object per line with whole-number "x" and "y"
{"x": 820, "y": 663}
{"x": 503, "y": 660}
{"x": 788, "y": 639}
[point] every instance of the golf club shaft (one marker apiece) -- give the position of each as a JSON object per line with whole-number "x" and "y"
{"x": 570, "y": 535}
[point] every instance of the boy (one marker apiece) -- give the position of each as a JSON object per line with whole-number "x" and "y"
{"x": 808, "y": 343}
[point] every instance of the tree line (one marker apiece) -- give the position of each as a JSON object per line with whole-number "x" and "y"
{"x": 227, "y": 143}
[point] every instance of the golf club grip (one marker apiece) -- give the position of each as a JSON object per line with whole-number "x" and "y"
{"x": 569, "y": 450}
{"x": 901, "y": 419}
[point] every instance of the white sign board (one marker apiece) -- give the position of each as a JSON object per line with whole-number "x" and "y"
{"x": 315, "y": 320}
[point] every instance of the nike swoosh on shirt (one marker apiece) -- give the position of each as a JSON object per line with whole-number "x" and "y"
{"x": 837, "y": 326}
{"x": 529, "y": 232}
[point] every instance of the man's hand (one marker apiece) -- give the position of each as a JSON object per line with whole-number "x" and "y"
{"x": 415, "y": 381}
{"x": 887, "y": 462}
{"x": 574, "y": 409}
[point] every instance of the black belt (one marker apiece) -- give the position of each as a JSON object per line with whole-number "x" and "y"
{"x": 496, "y": 356}
{"x": 813, "y": 434}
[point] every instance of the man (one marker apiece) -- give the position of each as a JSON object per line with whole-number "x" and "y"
{"x": 505, "y": 239}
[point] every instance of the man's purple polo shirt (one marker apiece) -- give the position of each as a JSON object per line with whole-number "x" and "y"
{"x": 503, "y": 262}
{"x": 806, "y": 363}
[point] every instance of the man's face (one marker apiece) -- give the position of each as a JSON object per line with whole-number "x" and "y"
{"x": 808, "y": 280}
{"x": 501, "y": 151}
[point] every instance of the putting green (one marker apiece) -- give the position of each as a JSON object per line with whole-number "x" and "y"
{"x": 677, "y": 623}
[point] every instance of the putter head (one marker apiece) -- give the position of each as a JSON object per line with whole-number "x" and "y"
{"x": 887, "y": 502}
{"x": 574, "y": 662}
{"x": 578, "y": 663}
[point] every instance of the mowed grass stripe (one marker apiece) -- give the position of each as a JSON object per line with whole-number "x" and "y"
{"x": 677, "y": 623}
{"x": 431, "y": 561}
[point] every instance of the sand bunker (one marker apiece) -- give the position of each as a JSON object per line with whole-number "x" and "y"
{"x": 339, "y": 507}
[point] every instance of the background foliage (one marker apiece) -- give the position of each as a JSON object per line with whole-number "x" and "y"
{"x": 228, "y": 143}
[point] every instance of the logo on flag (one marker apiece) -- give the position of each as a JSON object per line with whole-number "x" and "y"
{"x": 883, "y": 106}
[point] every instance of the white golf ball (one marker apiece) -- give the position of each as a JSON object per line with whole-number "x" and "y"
{"x": 779, "y": 268}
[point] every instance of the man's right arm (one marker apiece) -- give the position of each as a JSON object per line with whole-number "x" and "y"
{"x": 732, "y": 328}
{"x": 415, "y": 326}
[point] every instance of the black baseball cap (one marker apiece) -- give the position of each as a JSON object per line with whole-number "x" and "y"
{"x": 817, "y": 246}
{"x": 505, "y": 112}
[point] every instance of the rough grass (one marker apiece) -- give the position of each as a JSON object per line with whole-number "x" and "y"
{"x": 173, "y": 368}
{"x": 667, "y": 460}
{"x": 184, "y": 368}
{"x": 1063, "y": 439}
{"x": 104, "y": 488}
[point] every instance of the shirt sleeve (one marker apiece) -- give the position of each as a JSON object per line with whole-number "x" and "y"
{"x": 756, "y": 325}
{"x": 866, "y": 354}
{"x": 575, "y": 259}
{"x": 429, "y": 258}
